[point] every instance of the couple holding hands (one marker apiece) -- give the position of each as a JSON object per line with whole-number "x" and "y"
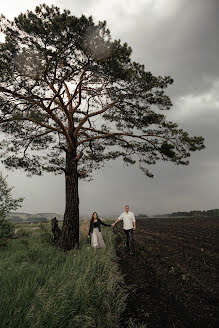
{"x": 129, "y": 224}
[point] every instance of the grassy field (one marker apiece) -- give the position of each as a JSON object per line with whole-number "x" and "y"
{"x": 43, "y": 287}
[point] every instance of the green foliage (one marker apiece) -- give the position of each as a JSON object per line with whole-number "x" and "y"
{"x": 23, "y": 233}
{"x": 7, "y": 203}
{"x": 6, "y": 231}
{"x": 43, "y": 287}
{"x": 46, "y": 235}
{"x": 132, "y": 324}
{"x": 167, "y": 149}
{"x": 58, "y": 75}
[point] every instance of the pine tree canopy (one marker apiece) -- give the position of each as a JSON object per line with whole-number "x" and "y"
{"x": 66, "y": 86}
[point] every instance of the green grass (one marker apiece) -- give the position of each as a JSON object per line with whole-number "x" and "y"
{"x": 43, "y": 287}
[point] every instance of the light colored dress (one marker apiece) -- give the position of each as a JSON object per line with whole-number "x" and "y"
{"x": 97, "y": 239}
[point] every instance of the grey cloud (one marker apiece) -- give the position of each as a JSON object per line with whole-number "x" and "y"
{"x": 76, "y": 7}
{"x": 184, "y": 45}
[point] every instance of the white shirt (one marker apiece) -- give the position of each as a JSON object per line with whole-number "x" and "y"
{"x": 128, "y": 219}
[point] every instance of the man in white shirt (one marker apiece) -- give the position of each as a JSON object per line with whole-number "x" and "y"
{"x": 129, "y": 224}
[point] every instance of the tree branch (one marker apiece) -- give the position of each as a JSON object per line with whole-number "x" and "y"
{"x": 94, "y": 114}
{"x": 69, "y": 96}
{"x": 37, "y": 136}
{"x": 33, "y": 121}
{"x": 117, "y": 134}
{"x": 79, "y": 155}
{"x": 106, "y": 135}
{"x": 40, "y": 104}
{"x": 78, "y": 92}
{"x": 20, "y": 96}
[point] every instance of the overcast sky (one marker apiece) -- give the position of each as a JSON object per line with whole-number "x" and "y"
{"x": 170, "y": 37}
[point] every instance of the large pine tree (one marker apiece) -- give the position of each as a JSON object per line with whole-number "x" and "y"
{"x": 71, "y": 98}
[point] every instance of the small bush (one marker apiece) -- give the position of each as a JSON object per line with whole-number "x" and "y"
{"x": 23, "y": 233}
{"x": 6, "y": 231}
{"x": 46, "y": 235}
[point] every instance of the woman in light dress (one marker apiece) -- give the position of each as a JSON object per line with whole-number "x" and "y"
{"x": 95, "y": 231}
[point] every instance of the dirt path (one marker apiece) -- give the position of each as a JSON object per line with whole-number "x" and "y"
{"x": 171, "y": 278}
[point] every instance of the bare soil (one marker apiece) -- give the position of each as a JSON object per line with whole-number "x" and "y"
{"x": 171, "y": 278}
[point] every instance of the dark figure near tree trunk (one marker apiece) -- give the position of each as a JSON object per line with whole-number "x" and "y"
{"x": 55, "y": 230}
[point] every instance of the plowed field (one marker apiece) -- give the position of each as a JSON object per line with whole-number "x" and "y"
{"x": 172, "y": 278}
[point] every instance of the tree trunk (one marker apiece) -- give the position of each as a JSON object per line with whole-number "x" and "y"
{"x": 70, "y": 231}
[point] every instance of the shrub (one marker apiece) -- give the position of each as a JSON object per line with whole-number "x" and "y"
{"x": 23, "y": 233}
{"x": 6, "y": 231}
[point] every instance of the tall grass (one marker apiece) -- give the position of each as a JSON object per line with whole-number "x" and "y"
{"x": 43, "y": 287}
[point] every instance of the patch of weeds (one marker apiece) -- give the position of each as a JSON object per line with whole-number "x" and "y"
{"x": 23, "y": 233}
{"x": 172, "y": 270}
{"x": 25, "y": 242}
{"x": 133, "y": 324}
{"x": 46, "y": 235}
{"x": 33, "y": 255}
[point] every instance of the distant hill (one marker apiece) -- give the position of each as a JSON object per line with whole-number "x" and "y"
{"x": 20, "y": 217}
{"x": 196, "y": 213}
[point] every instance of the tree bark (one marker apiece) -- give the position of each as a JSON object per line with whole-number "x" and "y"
{"x": 69, "y": 237}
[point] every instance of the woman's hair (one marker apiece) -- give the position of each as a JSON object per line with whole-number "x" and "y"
{"x": 92, "y": 218}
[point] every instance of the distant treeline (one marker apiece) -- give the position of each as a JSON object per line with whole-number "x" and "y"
{"x": 20, "y": 217}
{"x": 16, "y": 219}
{"x": 141, "y": 216}
{"x": 214, "y": 212}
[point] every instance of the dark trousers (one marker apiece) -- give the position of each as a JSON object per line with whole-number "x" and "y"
{"x": 129, "y": 240}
